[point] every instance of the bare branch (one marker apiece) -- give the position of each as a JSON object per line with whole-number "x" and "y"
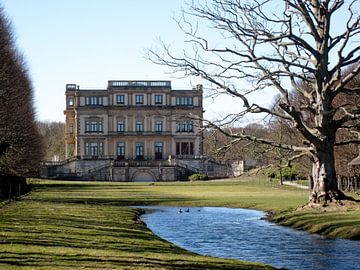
{"x": 241, "y": 136}
{"x": 348, "y": 142}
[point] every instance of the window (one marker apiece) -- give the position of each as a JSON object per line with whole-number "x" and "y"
{"x": 184, "y": 126}
{"x": 94, "y": 100}
{"x": 184, "y": 101}
{"x": 101, "y": 149}
{"x": 185, "y": 148}
{"x": 178, "y": 149}
{"x": 139, "y": 99}
{"x": 191, "y": 148}
{"x": 139, "y": 150}
{"x": 120, "y": 126}
{"x": 190, "y": 127}
{"x": 94, "y": 149}
{"x": 158, "y": 126}
{"x": 71, "y": 102}
{"x": 120, "y": 99}
{"x": 158, "y": 99}
{"x": 93, "y": 126}
{"x": 158, "y": 150}
{"x": 71, "y": 128}
{"x": 120, "y": 150}
{"x": 139, "y": 126}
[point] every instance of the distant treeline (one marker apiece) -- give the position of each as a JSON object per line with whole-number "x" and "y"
{"x": 53, "y": 140}
{"x": 219, "y": 147}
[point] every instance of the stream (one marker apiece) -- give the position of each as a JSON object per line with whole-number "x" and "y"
{"x": 243, "y": 234}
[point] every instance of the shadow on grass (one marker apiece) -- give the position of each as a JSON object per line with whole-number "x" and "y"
{"x": 77, "y": 261}
{"x": 73, "y": 243}
{"x": 103, "y": 193}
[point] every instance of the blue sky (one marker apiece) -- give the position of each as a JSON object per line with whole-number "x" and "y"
{"x": 89, "y": 42}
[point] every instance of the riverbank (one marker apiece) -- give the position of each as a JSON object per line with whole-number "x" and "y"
{"x": 337, "y": 222}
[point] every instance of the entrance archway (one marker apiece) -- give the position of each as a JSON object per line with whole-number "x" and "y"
{"x": 143, "y": 176}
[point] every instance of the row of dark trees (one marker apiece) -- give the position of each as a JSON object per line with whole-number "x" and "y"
{"x": 20, "y": 142}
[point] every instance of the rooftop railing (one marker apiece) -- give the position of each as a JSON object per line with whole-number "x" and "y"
{"x": 71, "y": 87}
{"x": 117, "y": 84}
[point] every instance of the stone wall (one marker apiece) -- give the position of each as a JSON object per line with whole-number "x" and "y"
{"x": 104, "y": 170}
{"x": 211, "y": 168}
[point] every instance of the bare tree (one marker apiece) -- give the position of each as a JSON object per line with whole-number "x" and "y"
{"x": 281, "y": 45}
{"x": 221, "y": 147}
{"x": 52, "y": 137}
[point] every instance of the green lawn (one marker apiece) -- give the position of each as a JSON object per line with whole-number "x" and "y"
{"x": 86, "y": 225}
{"x": 249, "y": 193}
{"x": 54, "y": 235}
{"x": 332, "y": 223}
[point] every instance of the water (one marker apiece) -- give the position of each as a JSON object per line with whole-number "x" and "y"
{"x": 242, "y": 234}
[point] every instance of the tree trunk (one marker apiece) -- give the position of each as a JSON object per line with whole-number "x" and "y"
{"x": 325, "y": 188}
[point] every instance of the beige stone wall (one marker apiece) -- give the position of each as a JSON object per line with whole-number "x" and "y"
{"x": 110, "y": 113}
{"x": 82, "y": 101}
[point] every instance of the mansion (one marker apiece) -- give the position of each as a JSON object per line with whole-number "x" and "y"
{"x": 133, "y": 120}
{"x": 134, "y": 131}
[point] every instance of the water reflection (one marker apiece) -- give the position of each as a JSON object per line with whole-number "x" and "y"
{"x": 242, "y": 234}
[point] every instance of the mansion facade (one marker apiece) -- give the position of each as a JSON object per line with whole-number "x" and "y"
{"x": 133, "y": 131}
{"x": 133, "y": 120}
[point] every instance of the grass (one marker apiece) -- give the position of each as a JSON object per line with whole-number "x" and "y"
{"x": 249, "y": 193}
{"x": 52, "y": 235}
{"x": 78, "y": 225}
{"x": 335, "y": 223}
{"x": 75, "y": 225}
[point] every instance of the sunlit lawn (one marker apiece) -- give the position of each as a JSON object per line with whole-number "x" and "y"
{"x": 257, "y": 194}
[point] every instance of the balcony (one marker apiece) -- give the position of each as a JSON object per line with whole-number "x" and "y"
{"x": 130, "y": 84}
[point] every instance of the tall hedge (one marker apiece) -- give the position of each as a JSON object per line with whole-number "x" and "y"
{"x": 20, "y": 145}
